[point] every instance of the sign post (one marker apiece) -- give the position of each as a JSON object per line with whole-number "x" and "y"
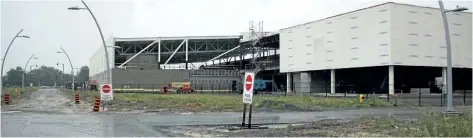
{"x": 248, "y": 96}
{"x": 106, "y": 93}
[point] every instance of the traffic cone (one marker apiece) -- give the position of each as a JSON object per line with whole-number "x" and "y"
{"x": 97, "y": 104}
{"x": 6, "y": 97}
{"x": 77, "y": 98}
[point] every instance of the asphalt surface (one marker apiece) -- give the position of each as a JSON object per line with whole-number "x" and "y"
{"x": 48, "y": 114}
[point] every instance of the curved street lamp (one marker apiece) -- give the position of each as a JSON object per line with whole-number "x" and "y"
{"x": 24, "y": 71}
{"x": 72, "y": 67}
{"x": 101, "y": 35}
{"x": 5, "y": 56}
{"x": 449, "y": 54}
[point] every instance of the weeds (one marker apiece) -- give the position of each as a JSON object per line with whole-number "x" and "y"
{"x": 428, "y": 125}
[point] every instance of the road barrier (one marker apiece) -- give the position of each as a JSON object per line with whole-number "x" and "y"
{"x": 77, "y": 98}
{"x": 97, "y": 104}
{"x": 7, "y": 99}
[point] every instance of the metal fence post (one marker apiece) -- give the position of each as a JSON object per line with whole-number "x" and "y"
{"x": 388, "y": 96}
{"x": 441, "y": 98}
{"x": 420, "y": 93}
{"x": 218, "y": 91}
{"x": 201, "y": 88}
{"x": 464, "y": 97}
{"x": 229, "y": 88}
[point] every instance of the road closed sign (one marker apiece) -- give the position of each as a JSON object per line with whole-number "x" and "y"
{"x": 248, "y": 87}
{"x": 106, "y": 92}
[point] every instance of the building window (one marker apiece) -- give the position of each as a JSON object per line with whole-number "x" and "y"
{"x": 412, "y": 22}
{"x": 383, "y": 22}
{"x": 383, "y": 32}
{"x": 413, "y": 45}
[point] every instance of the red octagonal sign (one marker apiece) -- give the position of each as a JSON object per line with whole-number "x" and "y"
{"x": 106, "y": 88}
{"x": 248, "y": 83}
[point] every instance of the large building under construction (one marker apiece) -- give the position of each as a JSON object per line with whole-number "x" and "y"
{"x": 385, "y": 48}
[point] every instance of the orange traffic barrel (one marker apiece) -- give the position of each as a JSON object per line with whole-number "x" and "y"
{"x": 97, "y": 104}
{"x": 77, "y": 98}
{"x": 7, "y": 98}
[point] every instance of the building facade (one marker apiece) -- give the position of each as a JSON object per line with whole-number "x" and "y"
{"x": 388, "y": 34}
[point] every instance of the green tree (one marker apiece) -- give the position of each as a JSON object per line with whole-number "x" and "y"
{"x": 83, "y": 74}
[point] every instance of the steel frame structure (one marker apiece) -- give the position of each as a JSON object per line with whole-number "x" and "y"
{"x": 170, "y": 50}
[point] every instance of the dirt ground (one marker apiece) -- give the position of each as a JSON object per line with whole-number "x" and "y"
{"x": 323, "y": 128}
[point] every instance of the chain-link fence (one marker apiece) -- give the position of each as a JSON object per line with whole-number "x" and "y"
{"x": 415, "y": 96}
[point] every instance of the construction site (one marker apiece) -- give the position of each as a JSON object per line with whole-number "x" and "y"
{"x": 338, "y": 54}
{"x": 204, "y": 63}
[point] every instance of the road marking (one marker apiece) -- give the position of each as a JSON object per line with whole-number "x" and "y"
{"x": 9, "y": 112}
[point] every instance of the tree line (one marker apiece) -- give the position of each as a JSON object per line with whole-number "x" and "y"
{"x": 44, "y": 76}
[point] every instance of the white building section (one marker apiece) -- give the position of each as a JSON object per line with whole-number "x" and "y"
{"x": 97, "y": 63}
{"x": 381, "y": 35}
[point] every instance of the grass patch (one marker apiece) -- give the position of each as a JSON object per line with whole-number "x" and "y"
{"x": 428, "y": 125}
{"x": 17, "y": 92}
{"x": 205, "y": 102}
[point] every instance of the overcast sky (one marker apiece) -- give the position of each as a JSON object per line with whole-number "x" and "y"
{"x": 51, "y": 26}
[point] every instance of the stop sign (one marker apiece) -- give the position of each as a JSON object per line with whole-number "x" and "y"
{"x": 248, "y": 83}
{"x": 106, "y": 88}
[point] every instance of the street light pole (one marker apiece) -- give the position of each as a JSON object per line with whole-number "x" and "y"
{"x": 62, "y": 76}
{"x": 101, "y": 35}
{"x": 449, "y": 55}
{"x": 72, "y": 67}
{"x": 5, "y": 56}
{"x": 24, "y": 71}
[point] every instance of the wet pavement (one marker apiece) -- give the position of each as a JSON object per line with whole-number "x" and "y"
{"x": 48, "y": 114}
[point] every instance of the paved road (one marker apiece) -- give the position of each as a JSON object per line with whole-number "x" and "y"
{"x": 48, "y": 115}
